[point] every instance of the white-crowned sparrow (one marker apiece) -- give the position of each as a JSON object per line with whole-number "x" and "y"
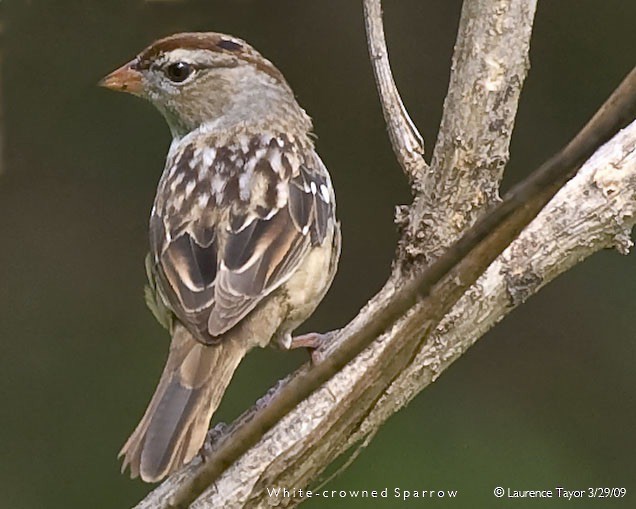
{"x": 243, "y": 237}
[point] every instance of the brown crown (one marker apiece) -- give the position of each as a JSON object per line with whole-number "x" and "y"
{"x": 210, "y": 41}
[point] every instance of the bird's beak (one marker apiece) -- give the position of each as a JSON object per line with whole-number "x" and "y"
{"x": 125, "y": 79}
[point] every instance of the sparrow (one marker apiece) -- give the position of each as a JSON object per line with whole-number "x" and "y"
{"x": 244, "y": 241}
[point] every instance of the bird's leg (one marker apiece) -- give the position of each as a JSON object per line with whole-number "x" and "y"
{"x": 310, "y": 340}
{"x": 314, "y": 342}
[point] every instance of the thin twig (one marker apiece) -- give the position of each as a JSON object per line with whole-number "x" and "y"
{"x": 406, "y": 141}
{"x": 436, "y": 288}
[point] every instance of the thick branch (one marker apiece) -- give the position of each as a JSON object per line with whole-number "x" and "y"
{"x": 595, "y": 210}
{"x": 489, "y": 67}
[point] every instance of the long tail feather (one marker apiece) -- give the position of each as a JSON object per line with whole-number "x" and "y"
{"x": 177, "y": 419}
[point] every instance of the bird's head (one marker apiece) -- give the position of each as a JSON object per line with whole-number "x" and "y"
{"x": 198, "y": 78}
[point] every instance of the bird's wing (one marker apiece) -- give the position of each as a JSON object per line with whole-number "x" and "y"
{"x": 235, "y": 226}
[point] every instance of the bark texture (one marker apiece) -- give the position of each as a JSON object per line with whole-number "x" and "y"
{"x": 489, "y": 67}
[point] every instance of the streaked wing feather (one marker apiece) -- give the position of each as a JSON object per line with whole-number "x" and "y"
{"x": 269, "y": 254}
{"x": 258, "y": 220}
{"x": 191, "y": 271}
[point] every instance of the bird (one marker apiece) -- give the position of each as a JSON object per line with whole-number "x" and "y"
{"x": 243, "y": 237}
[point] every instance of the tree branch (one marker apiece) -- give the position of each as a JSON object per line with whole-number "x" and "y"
{"x": 593, "y": 211}
{"x": 406, "y": 140}
{"x": 489, "y": 68}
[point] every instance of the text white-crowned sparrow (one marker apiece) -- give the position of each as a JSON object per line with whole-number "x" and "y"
{"x": 243, "y": 237}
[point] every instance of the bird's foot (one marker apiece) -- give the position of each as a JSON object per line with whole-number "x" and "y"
{"x": 315, "y": 342}
{"x": 211, "y": 439}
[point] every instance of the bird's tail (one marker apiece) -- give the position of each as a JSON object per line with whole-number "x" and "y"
{"x": 176, "y": 421}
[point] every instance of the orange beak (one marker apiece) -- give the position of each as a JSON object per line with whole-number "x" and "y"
{"x": 124, "y": 79}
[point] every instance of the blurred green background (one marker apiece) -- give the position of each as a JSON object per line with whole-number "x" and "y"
{"x": 546, "y": 399}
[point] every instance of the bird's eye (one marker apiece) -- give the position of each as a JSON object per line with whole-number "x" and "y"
{"x": 179, "y": 71}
